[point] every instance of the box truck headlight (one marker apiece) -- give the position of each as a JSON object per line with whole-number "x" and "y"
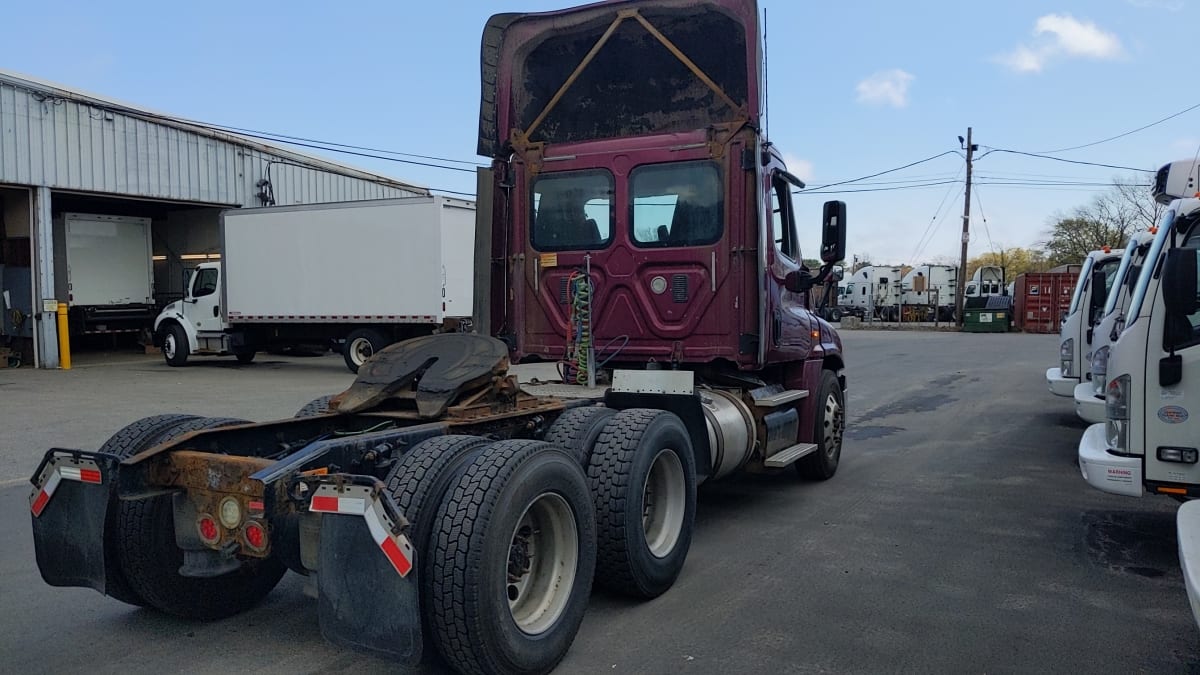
{"x": 1116, "y": 408}
{"x": 1180, "y": 455}
{"x": 1066, "y": 355}
{"x": 1099, "y": 370}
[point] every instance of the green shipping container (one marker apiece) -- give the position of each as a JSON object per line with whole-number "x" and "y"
{"x": 985, "y": 320}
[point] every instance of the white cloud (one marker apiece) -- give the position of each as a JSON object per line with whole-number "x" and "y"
{"x": 1061, "y": 36}
{"x": 800, "y": 168}
{"x": 1168, "y": 5}
{"x": 886, "y": 87}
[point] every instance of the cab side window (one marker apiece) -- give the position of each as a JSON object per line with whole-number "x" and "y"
{"x": 783, "y": 220}
{"x": 206, "y": 283}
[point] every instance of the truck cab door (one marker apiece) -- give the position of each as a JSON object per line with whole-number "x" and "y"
{"x": 202, "y": 307}
{"x": 789, "y": 321}
{"x": 1172, "y": 409}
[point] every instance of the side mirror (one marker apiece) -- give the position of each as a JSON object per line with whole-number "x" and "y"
{"x": 838, "y": 273}
{"x": 1131, "y": 277}
{"x": 1179, "y": 282}
{"x": 1099, "y": 292}
{"x": 833, "y": 232}
{"x": 798, "y": 281}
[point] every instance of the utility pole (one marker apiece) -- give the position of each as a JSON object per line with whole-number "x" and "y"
{"x": 960, "y": 300}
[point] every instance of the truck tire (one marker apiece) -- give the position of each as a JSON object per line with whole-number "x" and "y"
{"x": 245, "y": 357}
{"x": 643, "y": 478}
{"x": 151, "y": 559}
{"x": 835, "y": 315}
{"x": 317, "y": 406}
{"x": 829, "y": 424}
{"x": 175, "y": 347}
{"x": 360, "y": 345}
{"x": 514, "y": 551}
{"x": 129, "y": 441}
{"x": 577, "y": 430}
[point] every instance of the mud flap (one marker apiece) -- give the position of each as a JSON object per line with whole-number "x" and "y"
{"x": 69, "y": 504}
{"x": 368, "y": 596}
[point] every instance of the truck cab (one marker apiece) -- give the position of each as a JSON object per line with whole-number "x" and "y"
{"x": 195, "y": 324}
{"x": 1148, "y": 441}
{"x": 1075, "y": 337}
{"x": 1089, "y": 394}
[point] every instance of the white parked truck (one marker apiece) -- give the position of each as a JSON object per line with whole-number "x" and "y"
{"x": 875, "y": 291}
{"x": 988, "y": 280}
{"x": 931, "y": 287}
{"x": 359, "y": 275}
{"x": 1089, "y": 393}
{"x": 104, "y": 271}
{"x": 1150, "y": 439}
{"x": 1075, "y": 337}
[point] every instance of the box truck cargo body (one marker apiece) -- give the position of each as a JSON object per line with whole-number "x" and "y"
{"x": 354, "y": 275}
{"x": 104, "y": 271}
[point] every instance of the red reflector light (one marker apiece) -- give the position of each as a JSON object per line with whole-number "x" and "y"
{"x": 256, "y": 536}
{"x": 208, "y": 529}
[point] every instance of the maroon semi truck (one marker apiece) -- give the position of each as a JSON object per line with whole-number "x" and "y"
{"x": 645, "y": 325}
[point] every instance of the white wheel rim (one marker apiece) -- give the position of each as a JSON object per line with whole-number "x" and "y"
{"x": 169, "y": 346}
{"x": 663, "y": 503}
{"x": 833, "y": 424}
{"x": 361, "y": 350}
{"x": 543, "y": 557}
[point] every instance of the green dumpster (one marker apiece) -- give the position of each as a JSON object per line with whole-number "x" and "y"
{"x": 985, "y": 320}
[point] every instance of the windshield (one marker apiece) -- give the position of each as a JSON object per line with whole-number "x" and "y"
{"x": 1139, "y": 293}
{"x": 1080, "y": 283}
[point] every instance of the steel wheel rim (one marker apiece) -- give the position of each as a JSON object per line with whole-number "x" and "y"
{"x": 663, "y": 503}
{"x": 361, "y": 350}
{"x": 169, "y": 346}
{"x": 834, "y": 423}
{"x": 543, "y": 558}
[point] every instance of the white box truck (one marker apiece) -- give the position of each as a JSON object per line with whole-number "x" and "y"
{"x": 1075, "y": 336}
{"x": 104, "y": 271}
{"x": 355, "y": 276}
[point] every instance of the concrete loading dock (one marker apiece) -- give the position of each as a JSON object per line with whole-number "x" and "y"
{"x": 65, "y": 151}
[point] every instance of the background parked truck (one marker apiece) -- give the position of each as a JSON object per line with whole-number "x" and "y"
{"x": 1075, "y": 337}
{"x": 104, "y": 270}
{"x": 356, "y": 276}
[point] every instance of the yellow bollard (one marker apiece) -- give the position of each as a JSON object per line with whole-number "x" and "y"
{"x": 64, "y": 339}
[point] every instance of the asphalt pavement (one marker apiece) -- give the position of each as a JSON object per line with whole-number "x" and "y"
{"x": 957, "y": 536}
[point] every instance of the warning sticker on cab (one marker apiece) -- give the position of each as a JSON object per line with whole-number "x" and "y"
{"x": 549, "y": 260}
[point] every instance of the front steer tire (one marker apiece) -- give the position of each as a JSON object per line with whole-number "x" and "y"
{"x": 828, "y": 426}
{"x": 518, "y": 525}
{"x": 642, "y": 475}
{"x": 151, "y": 559}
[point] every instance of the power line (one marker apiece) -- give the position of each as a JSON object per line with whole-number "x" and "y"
{"x": 921, "y": 240}
{"x": 882, "y": 189}
{"x": 983, "y": 217}
{"x": 1060, "y": 159}
{"x": 899, "y": 168}
{"x": 1127, "y": 133}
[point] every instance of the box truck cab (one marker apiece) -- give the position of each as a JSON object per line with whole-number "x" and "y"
{"x": 1075, "y": 337}
{"x": 1150, "y": 439}
{"x": 1089, "y": 394}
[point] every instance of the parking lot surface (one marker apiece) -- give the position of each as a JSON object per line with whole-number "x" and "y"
{"x": 957, "y": 536}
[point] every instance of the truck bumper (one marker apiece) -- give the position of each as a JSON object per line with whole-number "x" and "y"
{"x": 1107, "y": 472}
{"x": 1088, "y": 406}
{"x": 1187, "y": 522}
{"x": 1059, "y": 385}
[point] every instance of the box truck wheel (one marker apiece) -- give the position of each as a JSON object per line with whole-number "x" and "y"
{"x": 151, "y": 559}
{"x": 830, "y": 422}
{"x": 360, "y": 345}
{"x": 643, "y": 478}
{"x": 175, "y": 347}
{"x": 513, "y": 551}
{"x": 127, "y": 442}
{"x": 577, "y": 430}
{"x": 245, "y": 357}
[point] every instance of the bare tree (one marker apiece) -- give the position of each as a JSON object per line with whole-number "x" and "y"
{"x": 1108, "y": 220}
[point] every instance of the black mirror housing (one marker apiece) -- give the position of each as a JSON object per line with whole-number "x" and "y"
{"x": 833, "y": 232}
{"x": 1179, "y": 282}
{"x": 1099, "y": 291}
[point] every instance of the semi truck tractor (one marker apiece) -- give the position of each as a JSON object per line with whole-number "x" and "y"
{"x": 639, "y": 253}
{"x": 1089, "y": 393}
{"x": 1148, "y": 441}
{"x": 354, "y": 276}
{"x": 1078, "y": 328}
{"x": 104, "y": 271}
{"x": 928, "y": 291}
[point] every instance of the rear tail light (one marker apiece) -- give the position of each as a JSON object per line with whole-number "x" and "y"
{"x": 210, "y": 533}
{"x": 255, "y": 534}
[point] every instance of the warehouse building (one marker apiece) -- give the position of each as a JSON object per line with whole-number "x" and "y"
{"x": 106, "y": 169}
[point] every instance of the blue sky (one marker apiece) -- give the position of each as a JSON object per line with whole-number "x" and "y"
{"x": 855, "y": 88}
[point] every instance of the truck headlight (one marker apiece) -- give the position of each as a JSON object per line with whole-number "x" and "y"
{"x": 1066, "y": 355}
{"x": 1099, "y": 370}
{"x": 1116, "y": 409}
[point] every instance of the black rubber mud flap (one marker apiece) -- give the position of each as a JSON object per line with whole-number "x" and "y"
{"x": 71, "y": 494}
{"x": 369, "y": 598}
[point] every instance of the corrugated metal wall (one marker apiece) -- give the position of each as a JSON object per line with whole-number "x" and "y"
{"x": 69, "y": 145}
